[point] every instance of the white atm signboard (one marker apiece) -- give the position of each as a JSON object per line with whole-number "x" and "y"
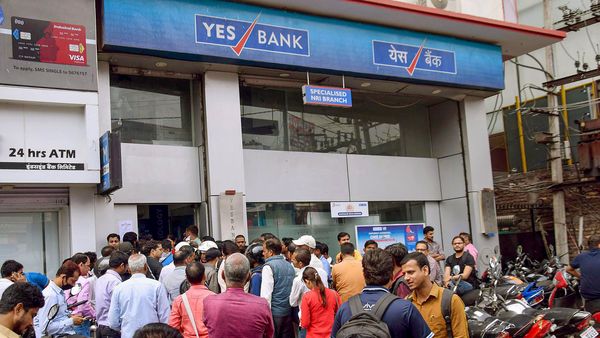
{"x": 43, "y": 140}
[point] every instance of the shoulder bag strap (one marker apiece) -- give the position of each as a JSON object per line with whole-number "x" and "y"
{"x": 356, "y": 306}
{"x": 447, "y": 310}
{"x": 382, "y": 304}
{"x": 188, "y": 309}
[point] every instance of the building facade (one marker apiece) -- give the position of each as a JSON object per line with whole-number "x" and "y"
{"x": 207, "y": 99}
{"x": 520, "y": 164}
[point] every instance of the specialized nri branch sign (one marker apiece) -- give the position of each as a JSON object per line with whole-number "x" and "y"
{"x": 239, "y": 35}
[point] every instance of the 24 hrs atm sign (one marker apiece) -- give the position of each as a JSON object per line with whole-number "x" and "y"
{"x": 240, "y": 35}
{"x": 50, "y": 159}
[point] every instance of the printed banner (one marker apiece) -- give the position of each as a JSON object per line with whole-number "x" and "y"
{"x": 386, "y": 234}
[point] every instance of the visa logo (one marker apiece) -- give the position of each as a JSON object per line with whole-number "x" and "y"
{"x": 76, "y": 58}
{"x": 239, "y": 35}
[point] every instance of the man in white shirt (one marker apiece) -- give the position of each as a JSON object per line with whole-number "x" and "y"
{"x": 11, "y": 271}
{"x": 301, "y": 260}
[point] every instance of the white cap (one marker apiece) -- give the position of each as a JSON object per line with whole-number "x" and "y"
{"x": 307, "y": 240}
{"x": 204, "y": 246}
{"x": 181, "y": 245}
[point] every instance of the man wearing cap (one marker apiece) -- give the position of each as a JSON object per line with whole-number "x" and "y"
{"x": 204, "y": 247}
{"x": 308, "y": 242}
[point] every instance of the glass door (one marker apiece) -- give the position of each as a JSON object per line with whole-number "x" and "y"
{"x": 32, "y": 239}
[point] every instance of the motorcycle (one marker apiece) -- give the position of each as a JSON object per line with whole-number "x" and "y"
{"x": 527, "y": 321}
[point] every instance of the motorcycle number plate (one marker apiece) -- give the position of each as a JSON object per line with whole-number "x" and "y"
{"x": 589, "y": 333}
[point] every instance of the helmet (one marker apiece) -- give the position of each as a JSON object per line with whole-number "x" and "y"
{"x": 255, "y": 254}
{"x": 101, "y": 266}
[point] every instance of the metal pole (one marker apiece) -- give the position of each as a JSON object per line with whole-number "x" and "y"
{"x": 565, "y": 116}
{"x": 521, "y": 137}
{"x": 558, "y": 196}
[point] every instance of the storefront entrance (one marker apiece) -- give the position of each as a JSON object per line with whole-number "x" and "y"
{"x": 32, "y": 239}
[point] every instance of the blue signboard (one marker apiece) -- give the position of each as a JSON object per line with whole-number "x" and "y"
{"x": 327, "y": 96}
{"x": 229, "y": 32}
{"x": 105, "y": 162}
{"x": 386, "y": 234}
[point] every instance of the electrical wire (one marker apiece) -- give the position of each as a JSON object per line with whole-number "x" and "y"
{"x": 587, "y": 32}
{"x": 567, "y": 52}
{"x": 540, "y": 64}
{"x": 532, "y": 67}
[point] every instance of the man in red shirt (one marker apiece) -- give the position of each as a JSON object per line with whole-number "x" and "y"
{"x": 180, "y": 319}
{"x": 235, "y": 312}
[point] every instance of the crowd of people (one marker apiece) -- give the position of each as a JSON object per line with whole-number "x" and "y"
{"x": 272, "y": 287}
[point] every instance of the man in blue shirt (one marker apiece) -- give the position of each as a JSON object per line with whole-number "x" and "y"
{"x": 138, "y": 301}
{"x": 588, "y": 264}
{"x": 63, "y": 323}
{"x": 402, "y": 318}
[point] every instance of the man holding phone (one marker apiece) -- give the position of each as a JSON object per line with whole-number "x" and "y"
{"x": 12, "y": 272}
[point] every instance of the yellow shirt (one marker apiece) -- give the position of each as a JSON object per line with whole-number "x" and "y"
{"x": 357, "y": 256}
{"x": 6, "y": 333}
{"x": 348, "y": 278}
{"x": 431, "y": 310}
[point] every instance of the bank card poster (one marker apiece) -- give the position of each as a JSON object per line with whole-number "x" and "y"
{"x": 49, "y": 43}
{"x": 386, "y": 234}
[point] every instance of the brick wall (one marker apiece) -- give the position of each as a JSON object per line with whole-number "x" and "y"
{"x": 515, "y": 192}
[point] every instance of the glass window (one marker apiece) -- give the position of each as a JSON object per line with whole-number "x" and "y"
{"x": 296, "y": 219}
{"x": 377, "y": 124}
{"x": 32, "y": 239}
{"x": 151, "y": 110}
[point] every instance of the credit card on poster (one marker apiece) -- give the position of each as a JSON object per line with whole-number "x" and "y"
{"x": 48, "y": 41}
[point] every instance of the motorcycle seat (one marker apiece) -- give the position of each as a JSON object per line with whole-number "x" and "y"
{"x": 558, "y": 315}
{"x": 470, "y": 298}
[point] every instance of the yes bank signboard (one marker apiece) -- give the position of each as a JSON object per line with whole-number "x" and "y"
{"x": 239, "y": 35}
{"x": 229, "y": 32}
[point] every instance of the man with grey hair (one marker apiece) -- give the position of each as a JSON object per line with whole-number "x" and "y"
{"x": 138, "y": 301}
{"x": 235, "y": 310}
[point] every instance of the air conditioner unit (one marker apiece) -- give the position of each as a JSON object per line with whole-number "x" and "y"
{"x": 449, "y": 5}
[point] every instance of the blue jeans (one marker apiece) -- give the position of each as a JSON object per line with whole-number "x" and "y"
{"x": 463, "y": 287}
{"x": 83, "y": 329}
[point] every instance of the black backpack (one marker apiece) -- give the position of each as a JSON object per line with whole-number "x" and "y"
{"x": 365, "y": 324}
{"x": 396, "y": 285}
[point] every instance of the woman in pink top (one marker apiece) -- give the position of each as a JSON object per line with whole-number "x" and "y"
{"x": 319, "y": 306}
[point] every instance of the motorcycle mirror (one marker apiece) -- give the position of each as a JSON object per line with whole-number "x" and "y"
{"x": 53, "y": 312}
{"x": 551, "y": 249}
{"x": 496, "y": 250}
{"x": 456, "y": 270}
{"x": 519, "y": 249}
{"x": 75, "y": 290}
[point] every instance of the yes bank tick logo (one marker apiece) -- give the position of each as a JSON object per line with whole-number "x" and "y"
{"x": 239, "y": 35}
